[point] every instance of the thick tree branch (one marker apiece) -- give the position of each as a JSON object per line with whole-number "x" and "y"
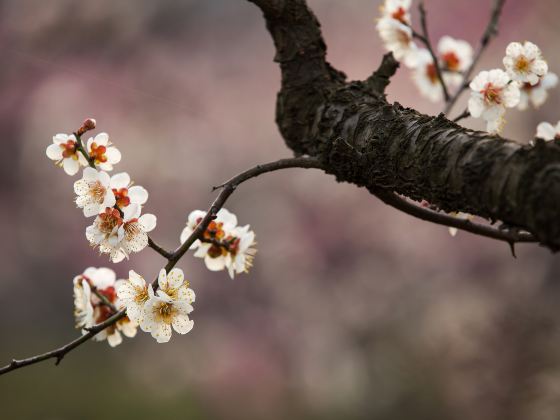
{"x": 226, "y": 190}
{"x": 362, "y": 139}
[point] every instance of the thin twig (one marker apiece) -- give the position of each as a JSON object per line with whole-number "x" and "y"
{"x": 164, "y": 253}
{"x": 227, "y": 189}
{"x": 424, "y": 37}
{"x": 509, "y": 236}
{"x": 103, "y": 299}
{"x": 462, "y": 115}
{"x": 489, "y": 33}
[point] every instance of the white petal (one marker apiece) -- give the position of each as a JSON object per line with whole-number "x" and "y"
{"x": 101, "y": 139}
{"x": 531, "y": 51}
{"x": 113, "y": 155}
{"x": 162, "y": 279}
{"x": 132, "y": 211}
{"x": 215, "y": 264}
{"x": 138, "y": 194}
{"x": 136, "y": 279}
{"x": 120, "y": 180}
{"x": 546, "y": 131}
{"x": 61, "y": 138}
{"x": 476, "y": 106}
{"x": 162, "y": 333}
{"x": 514, "y": 49}
{"x": 175, "y": 278}
{"x": 114, "y": 339}
{"x": 182, "y": 324}
{"x": 54, "y": 152}
{"x": 71, "y": 166}
{"x": 148, "y": 222}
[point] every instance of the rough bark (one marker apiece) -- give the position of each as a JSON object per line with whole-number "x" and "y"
{"x": 364, "y": 140}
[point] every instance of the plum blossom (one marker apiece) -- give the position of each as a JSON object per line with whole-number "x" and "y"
{"x": 547, "y": 131}
{"x": 90, "y": 310}
{"x": 133, "y": 293}
{"x": 223, "y": 245}
{"x": 537, "y": 94}
{"x": 491, "y": 93}
{"x": 397, "y": 9}
{"x": 93, "y": 192}
{"x": 455, "y": 57}
{"x": 425, "y": 77}
{"x": 524, "y": 62}
{"x": 103, "y": 154}
{"x": 105, "y": 228}
{"x": 64, "y": 151}
{"x": 224, "y": 221}
{"x": 163, "y": 311}
{"x": 173, "y": 284}
{"x": 126, "y": 194}
{"x": 397, "y": 37}
{"x": 119, "y": 236}
{"x": 241, "y": 251}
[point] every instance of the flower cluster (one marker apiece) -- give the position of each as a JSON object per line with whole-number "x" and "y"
{"x": 453, "y": 56}
{"x": 94, "y": 290}
{"x": 224, "y": 244}
{"x": 119, "y": 229}
{"x": 525, "y": 79}
{"x": 159, "y": 312}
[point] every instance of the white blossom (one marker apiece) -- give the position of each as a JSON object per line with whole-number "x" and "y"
{"x": 455, "y": 54}
{"x": 491, "y": 93}
{"x": 397, "y": 38}
{"x": 537, "y": 94}
{"x": 102, "y": 152}
{"x": 126, "y": 194}
{"x": 93, "y": 192}
{"x": 547, "y": 131}
{"x": 173, "y": 284}
{"x": 120, "y": 236}
{"x": 524, "y": 62}
{"x": 164, "y": 311}
{"x": 90, "y": 310}
{"x": 241, "y": 251}
{"x": 64, "y": 151}
{"x": 425, "y": 77}
{"x": 217, "y": 228}
{"x": 397, "y": 9}
{"x": 223, "y": 245}
{"x": 133, "y": 293}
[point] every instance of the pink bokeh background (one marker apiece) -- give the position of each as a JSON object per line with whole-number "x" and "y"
{"x": 352, "y": 309}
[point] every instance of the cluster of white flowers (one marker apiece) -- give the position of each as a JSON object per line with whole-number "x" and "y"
{"x": 454, "y": 55}
{"x": 89, "y": 308}
{"x": 224, "y": 244}
{"x": 158, "y": 312}
{"x": 394, "y": 29}
{"x": 525, "y": 79}
{"x": 119, "y": 229}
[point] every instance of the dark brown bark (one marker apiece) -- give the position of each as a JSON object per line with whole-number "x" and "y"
{"x": 362, "y": 139}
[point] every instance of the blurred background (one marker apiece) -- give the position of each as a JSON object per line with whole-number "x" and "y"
{"x": 352, "y": 310}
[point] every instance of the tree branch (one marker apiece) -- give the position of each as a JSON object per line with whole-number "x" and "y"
{"x": 490, "y": 31}
{"x": 363, "y": 140}
{"x": 509, "y": 236}
{"x": 226, "y": 190}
